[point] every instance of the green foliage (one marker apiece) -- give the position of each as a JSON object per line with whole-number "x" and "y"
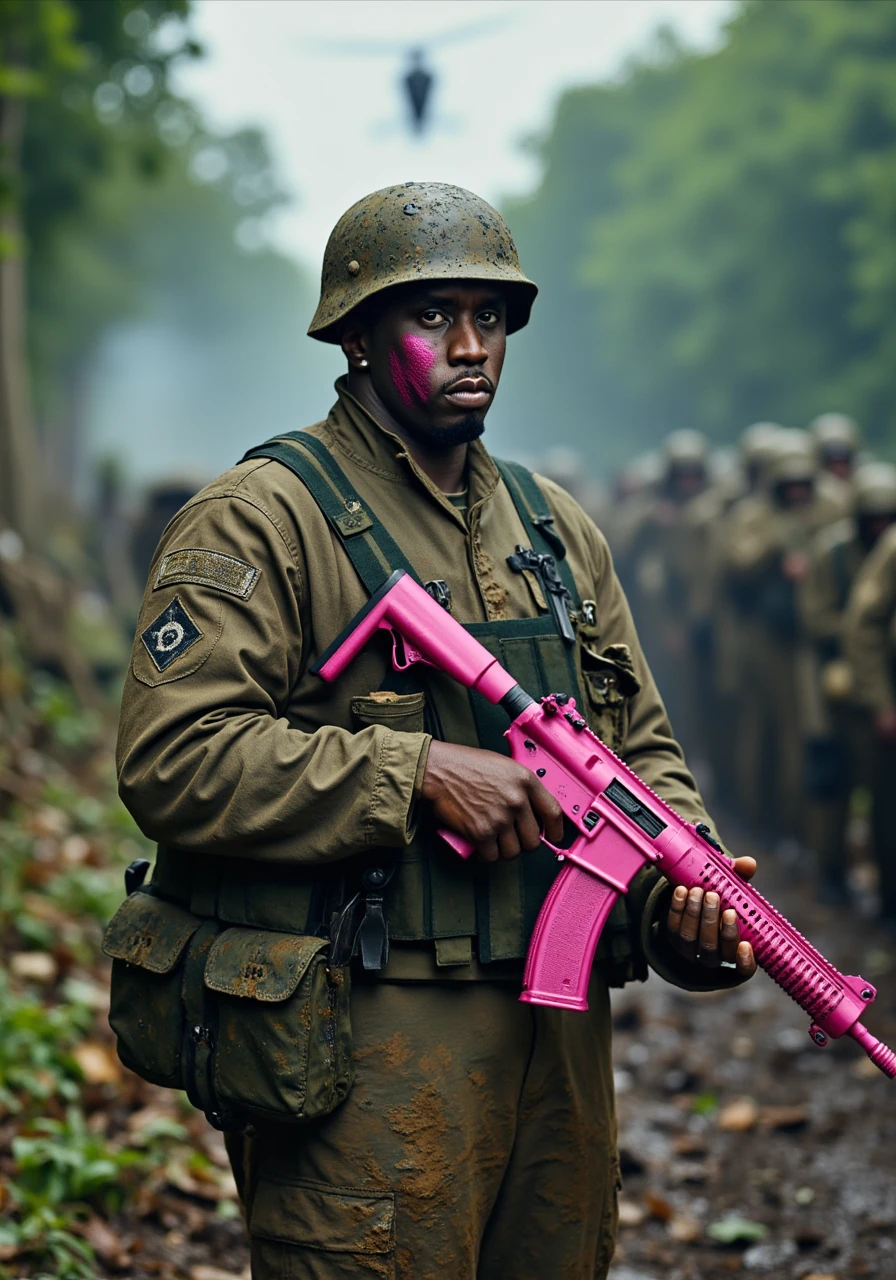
{"x": 714, "y": 235}
{"x": 62, "y": 1162}
{"x": 43, "y": 1233}
{"x": 36, "y": 1042}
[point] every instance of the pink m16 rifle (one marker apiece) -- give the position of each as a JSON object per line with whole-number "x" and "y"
{"x": 620, "y": 826}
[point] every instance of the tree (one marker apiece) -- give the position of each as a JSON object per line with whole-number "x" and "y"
{"x": 56, "y": 57}
{"x": 715, "y": 234}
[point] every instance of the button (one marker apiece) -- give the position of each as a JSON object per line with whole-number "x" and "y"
{"x": 374, "y": 877}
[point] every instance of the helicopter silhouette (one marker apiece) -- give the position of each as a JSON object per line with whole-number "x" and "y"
{"x": 418, "y": 82}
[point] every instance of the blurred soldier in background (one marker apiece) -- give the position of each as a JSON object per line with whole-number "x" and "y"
{"x": 633, "y": 493}
{"x": 660, "y": 548}
{"x": 711, "y": 622}
{"x": 732, "y": 604}
{"x": 837, "y": 441}
{"x": 836, "y": 754}
{"x": 766, "y": 561}
{"x": 869, "y": 641}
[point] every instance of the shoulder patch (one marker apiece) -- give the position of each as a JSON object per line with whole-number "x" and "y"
{"x": 209, "y": 569}
{"x": 172, "y": 633}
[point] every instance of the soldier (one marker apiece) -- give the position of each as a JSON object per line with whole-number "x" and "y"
{"x": 837, "y": 443}
{"x": 869, "y": 643}
{"x": 713, "y": 630}
{"x": 766, "y": 559}
{"x": 836, "y": 758}
{"x": 660, "y": 553}
{"x": 479, "y": 1136}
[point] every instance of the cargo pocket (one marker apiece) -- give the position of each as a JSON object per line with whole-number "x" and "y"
{"x": 609, "y": 680}
{"x": 297, "y": 1229}
{"x": 283, "y": 1046}
{"x": 146, "y": 940}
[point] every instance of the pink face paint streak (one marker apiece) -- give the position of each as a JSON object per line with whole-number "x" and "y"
{"x": 410, "y": 370}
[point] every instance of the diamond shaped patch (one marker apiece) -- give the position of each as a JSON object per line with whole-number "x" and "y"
{"x": 172, "y": 633}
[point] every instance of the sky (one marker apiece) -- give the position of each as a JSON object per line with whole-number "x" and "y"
{"x": 320, "y": 78}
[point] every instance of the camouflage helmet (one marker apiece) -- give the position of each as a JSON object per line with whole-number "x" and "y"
{"x": 834, "y": 433}
{"x": 757, "y": 443}
{"x": 793, "y": 460}
{"x": 412, "y": 232}
{"x": 685, "y": 449}
{"x": 874, "y": 489}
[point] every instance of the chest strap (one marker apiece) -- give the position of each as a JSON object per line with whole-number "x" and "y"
{"x": 538, "y": 521}
{"x": 369, "y": 545}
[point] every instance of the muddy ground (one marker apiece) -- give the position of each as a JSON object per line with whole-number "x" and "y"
{"x": 734, "y": 1125}
{"x": 745, "y": 1149}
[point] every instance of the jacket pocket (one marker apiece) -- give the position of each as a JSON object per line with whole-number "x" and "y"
{"x": 609, "y": 681}
{"x": 146, "y": 940}
{"x": 283, "y": 1048}
{"x": 403, "y": 712}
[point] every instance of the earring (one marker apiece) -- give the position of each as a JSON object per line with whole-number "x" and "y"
{"x": 363, "y": 363}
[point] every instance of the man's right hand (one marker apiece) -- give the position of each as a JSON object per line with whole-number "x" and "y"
{"x": 495, "y": 803}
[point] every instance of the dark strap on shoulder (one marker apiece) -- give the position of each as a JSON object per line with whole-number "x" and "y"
{"x": 537, "y": 518}
{"x": 370, "y": 547}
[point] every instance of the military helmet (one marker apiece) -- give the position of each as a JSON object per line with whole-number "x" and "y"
{"x": 793, "y": 459}
{"x": 685, "y": 449}
{"x": 413, "y": 232}
{"x": 757, "y": 443}
{"x": 874, "y": 489}
{"x": 834, "y": 433}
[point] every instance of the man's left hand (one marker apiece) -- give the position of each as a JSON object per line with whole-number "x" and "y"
{"x": 699, "y": 931}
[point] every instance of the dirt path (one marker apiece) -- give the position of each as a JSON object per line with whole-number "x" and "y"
{"x": 732, "y": 1121}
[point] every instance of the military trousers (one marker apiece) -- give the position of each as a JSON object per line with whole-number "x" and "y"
{"x": 479, "y": 1140}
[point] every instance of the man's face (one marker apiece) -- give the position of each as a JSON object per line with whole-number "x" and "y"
{"x": 435, "y": 354}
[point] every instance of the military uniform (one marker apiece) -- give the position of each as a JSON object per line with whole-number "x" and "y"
{"x": 660, "y": 553}
{"x": 772, "y": 657}
{"x": 837, "y": 751}
{"x": 479, "y": 1136}
{"x": 869, "y": 641}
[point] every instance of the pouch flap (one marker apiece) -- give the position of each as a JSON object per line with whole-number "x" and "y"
{"x": 149, "y": 932}
{"x": 613, "y": 668}
{"x": 319, "y": 1216}
{"x": 259, "y": 964}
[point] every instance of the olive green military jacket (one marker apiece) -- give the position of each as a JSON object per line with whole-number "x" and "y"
{"x": 835, "y": 558}
{"x": 869, "y": 629}
{"x": 229, "y": 747}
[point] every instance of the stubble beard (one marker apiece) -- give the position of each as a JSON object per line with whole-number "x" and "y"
{"x": 469, "y": 428}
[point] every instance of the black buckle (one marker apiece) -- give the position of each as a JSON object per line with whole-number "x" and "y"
{"x": 544, "y": 566}
{"x": 440, "y": 591}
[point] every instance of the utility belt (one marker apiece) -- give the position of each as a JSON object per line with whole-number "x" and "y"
{"x": 231, "y": 977}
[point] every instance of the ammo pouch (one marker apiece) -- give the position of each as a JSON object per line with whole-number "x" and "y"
{"x": 253, "y": 1024}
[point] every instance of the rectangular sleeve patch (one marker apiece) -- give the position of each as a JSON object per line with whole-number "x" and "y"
{"x": 210, "y": 569}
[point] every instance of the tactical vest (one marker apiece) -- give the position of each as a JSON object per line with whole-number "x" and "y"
{"x": 428, "y": 894}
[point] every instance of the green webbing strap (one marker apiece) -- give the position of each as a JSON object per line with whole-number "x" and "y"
{"x": 537, "y": 519}
{"x": 370, "y": 547}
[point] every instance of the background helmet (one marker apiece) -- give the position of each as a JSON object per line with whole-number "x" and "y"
{"x": 874, "y": 489}
{"x": 413, "y": 232}
{"x": 685, "y": 449}
{"x": 834, "y": 432}
{"x": 793, "y": 459}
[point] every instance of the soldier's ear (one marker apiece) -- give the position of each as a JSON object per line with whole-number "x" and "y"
{"x": 354, "y": 345}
